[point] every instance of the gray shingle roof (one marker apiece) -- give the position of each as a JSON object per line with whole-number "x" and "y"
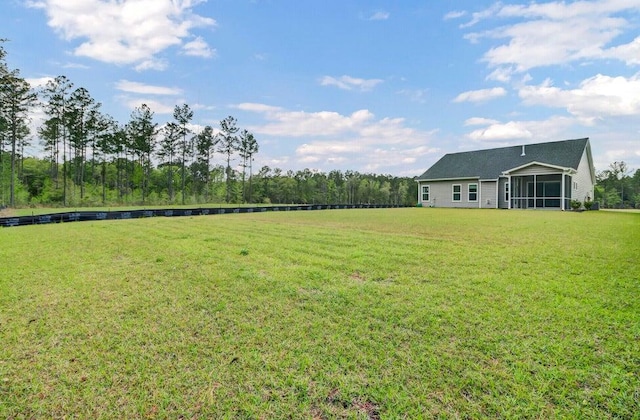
{"x": 490, "y": 163}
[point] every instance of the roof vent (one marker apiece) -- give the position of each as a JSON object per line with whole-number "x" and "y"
{"x": 523, "y": 153}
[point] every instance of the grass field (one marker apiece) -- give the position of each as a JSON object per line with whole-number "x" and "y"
{"x": 395, "y": 313}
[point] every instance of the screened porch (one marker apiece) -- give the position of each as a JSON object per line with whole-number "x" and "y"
{"x": 550, "y": 191}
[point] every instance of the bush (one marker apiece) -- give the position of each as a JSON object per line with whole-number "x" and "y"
{"x": 575, "y": 204}
{"x": 588, "y": 204}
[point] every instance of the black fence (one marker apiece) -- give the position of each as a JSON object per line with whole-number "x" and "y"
{"x": 85, "y": 216}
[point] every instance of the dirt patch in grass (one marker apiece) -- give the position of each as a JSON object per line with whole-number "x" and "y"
{"x": 358, "y": 405}
{"x": 357, "y": 277}
{"x": 6, "y": 212}
{"x": 370, "y": 409}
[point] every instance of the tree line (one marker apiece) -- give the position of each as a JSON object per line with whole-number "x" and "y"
{"x": 89, "y": 158}
{"x": 618, "y": 187}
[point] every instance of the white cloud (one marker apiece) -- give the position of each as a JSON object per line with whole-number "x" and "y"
{"x": 330, "y": 148}
{"x": 596, "y": 97}
{"x": 481, "y": 95}
{"x": 556, "y": 33}
{"x": 38, "y": 81}
{"x": 35, "y": 4}
{"x": 562, "y": 10}
{"x": 379, "y": 15}
{"x": 75, "y": 66}
{"x": 152, "y": 64}
{"x": 629, "y": 53}
{"x": 360, "y": 124}
{"x": 478, "y": 16}
{"x": 323, "y": 123}
{"x": 156, "y": 106}
{"x": 199, "y": 48}
{"x": 368, "y": 158}
{"x": 128, "y": 32}
{"x": 516, "y": 131}
{"x": 480, "y": 121}
{"x": 512, "y": 130}
{"x": 349, "y": 83}
{"x": 455, "y": 14}
{"x": 136, "y": 87}
{"x": 614, "y": 146}
{"x": 359, "y": 139}
{"x": 202, "y": 107}
{"x": 415, "y": 95}
{"x": 502, "y": 74}
{"x": 254, "y": 107}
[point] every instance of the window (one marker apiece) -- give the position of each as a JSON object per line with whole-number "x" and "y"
{"x": 457, "y": 192}
{"x": 425, "y": 193}
{"x": 506, "y": 191}
{"x": 473, "y": 192}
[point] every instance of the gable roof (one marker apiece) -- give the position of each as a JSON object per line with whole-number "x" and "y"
{"x": 490, "y": 163}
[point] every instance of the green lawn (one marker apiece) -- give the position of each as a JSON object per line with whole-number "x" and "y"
{"x": 394, "y": 313}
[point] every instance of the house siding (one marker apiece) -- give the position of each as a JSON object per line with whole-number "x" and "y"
{"x": 583, "y": 179}
{"x": 536, "y": 170}
{"x": 502, "y": 203}
{"x": 440, "y": 194}
{"x": 488, "y": 194}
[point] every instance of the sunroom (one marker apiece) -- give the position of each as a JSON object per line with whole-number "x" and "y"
{"x": 539, "y": 186}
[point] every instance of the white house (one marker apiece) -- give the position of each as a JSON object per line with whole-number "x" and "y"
{"x": 532, "y": 176}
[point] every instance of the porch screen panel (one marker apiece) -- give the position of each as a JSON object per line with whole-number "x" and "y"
{"x": 552, "y": 194}
{"x": 568, "y": 182}
{"x": 540, "y": 191}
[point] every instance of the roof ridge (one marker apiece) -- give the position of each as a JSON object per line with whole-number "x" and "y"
{"x": 490, "y": 163}
{"x": 517, "y": 145}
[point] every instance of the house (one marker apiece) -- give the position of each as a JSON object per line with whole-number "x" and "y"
{"x": 531, "y": 176}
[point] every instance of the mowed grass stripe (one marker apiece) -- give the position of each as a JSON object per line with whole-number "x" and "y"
{"x": 354, "y": 313}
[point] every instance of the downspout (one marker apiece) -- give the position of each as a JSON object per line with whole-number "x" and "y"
{"x": 510, "y": 192}
{"x": 562, "y": 193}
{"x": 535, "y": 191}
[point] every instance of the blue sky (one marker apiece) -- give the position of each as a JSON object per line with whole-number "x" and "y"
{"x": 374, "y": 86}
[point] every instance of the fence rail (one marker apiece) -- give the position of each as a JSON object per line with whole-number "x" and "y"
{"x": 85, "y": 216}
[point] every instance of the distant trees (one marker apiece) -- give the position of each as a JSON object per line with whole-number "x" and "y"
{"x": 248, "y": 146}
{"x": 183, "y": 115}
{"x": 617, "y": 188}
{"x": 143, "y": 131}
{"x": 90, "y": 158}
{"x": 168, "y": 149}
{"x": 16, "y": 100}
{"x": 104, "y": 149}
{"x": 205, "y": 143}
{"x": 228, "y": 145}
{"x": 82, "y": 124}
{"x": 54, "y": 133}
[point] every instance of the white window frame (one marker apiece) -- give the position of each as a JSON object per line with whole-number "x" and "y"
{"x": 453, "y": 193}
{"x": 469, "y": 193}
{"x": 427, "y": 193}
{"x": 506, "y": 191}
